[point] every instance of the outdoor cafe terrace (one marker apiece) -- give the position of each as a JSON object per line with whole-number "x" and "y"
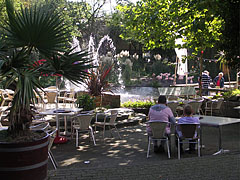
{"x": 124, "y": 156}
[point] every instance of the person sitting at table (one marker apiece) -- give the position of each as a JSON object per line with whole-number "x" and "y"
{"x": 160, "y": 112}
{"x": 187, "y": 119}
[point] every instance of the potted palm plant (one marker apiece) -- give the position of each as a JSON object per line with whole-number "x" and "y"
{"x": 31, "y": 34}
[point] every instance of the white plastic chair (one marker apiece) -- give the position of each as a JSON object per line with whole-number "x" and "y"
{"x": 82, "y": 123}
{"x": 40, "y": 126}
{"x": 158, "y": 134}
{"x": 51, "y": 98}
{"x": 213, "y": 106}
{"x": 173, "y": 106}
{"x": 70, "y": 98}
{"x": 52, "y": 136}
{"x": 188, "y": 136}
{"x": 111, "y": 123}
{"x": 196, "y": 106}
{"x": 6, "y": 97}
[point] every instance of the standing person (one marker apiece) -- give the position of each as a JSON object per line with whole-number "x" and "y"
{"x": 219, "y": 81}
{"x": 206, "y": 79}
{"x": 187, "y": 119}
{"x": 160, "y": 112}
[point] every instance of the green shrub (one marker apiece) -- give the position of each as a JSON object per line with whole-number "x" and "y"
{"x": 227, "y": 95}
{"x": 86, "y": 102}
{"x": 138, "y": 104}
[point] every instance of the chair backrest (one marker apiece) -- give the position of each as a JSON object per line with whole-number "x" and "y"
{"x": 219, "y": 104}
{"x": 41, "y": 126}
{"x": 158, "y": 129}
{"x": 113, "y": 116}
{"x": 188, "y": 130}
{"x": 52, "y": 136}
{"x": 83, "y": 121}
{"x": 71, "y": 94}
{"x": 196, "y": 105}
{"x": 173, "y": 106}
{"x": 52, "y": 87}
{"x": 51, "y": 97}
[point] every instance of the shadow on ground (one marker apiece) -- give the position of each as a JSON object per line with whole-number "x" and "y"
{"x": 131, "y": 149}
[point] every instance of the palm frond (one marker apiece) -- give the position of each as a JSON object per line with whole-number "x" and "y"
{"x": 36, "y": 27}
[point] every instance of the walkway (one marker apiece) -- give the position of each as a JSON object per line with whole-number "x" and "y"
{"x": 126, "y": 158}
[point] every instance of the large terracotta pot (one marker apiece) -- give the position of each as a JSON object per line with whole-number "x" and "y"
{"x": 26, "y": 160}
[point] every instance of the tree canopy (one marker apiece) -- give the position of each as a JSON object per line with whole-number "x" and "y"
{"x": 157, "y": 23}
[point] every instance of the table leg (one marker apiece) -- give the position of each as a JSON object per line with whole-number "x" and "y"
{"x": 59, "y": 139}
{"x": 200, "y": 141}
{"x": 220, "y": 149}
{"x": 66, "y": 133}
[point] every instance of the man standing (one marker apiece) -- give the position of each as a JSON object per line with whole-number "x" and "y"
{"x": 206, "y": 79}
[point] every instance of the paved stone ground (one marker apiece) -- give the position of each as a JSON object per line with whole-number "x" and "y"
{"x": 126, "y": 158}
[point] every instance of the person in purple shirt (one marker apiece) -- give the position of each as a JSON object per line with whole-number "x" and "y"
{"x": 160, "y": 112}
{"x": 187, "y": 119}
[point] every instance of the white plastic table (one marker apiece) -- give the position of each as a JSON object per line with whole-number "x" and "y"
{"x": 216, "y": 121}
{"x": 72, "y": 112}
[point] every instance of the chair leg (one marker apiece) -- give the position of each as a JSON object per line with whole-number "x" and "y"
{"x": 56, "y": 164}
{"x": 198, "y": 144}
{"x": 149, "y": 144}
{"x": 104, "y": 132}
{"x": 71, "y": 130}
{"x": 168, "y": 149}
{"x": 179, "y": 149}
{"x": 95, "y": 129}
{"x": 117, "y": 132}
{"x": 110, "y": 131}
{"x": 53, "y": 161}
{"x": 94, "y": 142}
{"x": 76, "y": 138}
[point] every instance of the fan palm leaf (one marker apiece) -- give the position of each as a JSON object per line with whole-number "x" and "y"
{"x": 35, "y": 30}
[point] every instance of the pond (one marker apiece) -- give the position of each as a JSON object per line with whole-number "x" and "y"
{"x": 136, "y": 93}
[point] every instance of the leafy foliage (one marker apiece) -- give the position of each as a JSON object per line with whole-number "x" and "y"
{"x": 138, "y": 104}
{"x": 157, "y": 23}
{"x": 229, "y": 11}
{"x": 229, "y": 94}
{"x": 86, "y": 102}
{"x": 97, "y": 82}
{"x": 30, "y": 31}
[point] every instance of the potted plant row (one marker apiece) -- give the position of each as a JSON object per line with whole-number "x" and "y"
{"x": 139, "y": 106}
{"x": 29, "y": 35}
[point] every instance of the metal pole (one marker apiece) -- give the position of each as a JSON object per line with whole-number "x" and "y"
{"x": 201, "y": 69}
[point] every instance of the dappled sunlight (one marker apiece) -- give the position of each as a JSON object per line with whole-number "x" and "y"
{"x": 138, "y": 130}
{"x": 70, "y": 161}
{"x": 125, "y": 163}
{"x": 112, "y": 153}
{"x": 131, "y": 149}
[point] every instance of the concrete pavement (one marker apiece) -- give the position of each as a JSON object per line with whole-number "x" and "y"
{"x": 126, "y": 158}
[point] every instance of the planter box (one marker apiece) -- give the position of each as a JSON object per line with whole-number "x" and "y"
{"x": 113, "y": 101}
{"x": 227, "y": 109}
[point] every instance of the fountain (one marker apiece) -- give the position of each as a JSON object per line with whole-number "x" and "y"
{"x": 75, "y": 44}
{"x": 105, "y": 53}
{"x": 182, "y": 68}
